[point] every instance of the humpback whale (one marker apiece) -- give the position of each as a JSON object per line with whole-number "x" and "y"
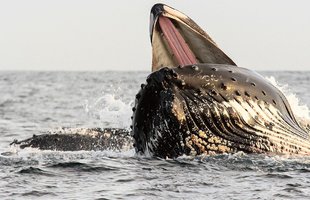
{"x": 196, "y": 101}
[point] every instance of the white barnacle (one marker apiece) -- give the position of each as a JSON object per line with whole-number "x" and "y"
{"x": 177, "y": 110}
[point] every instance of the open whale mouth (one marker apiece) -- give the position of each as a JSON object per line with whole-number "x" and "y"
{"x": 207, "y": 105}
{"x": 178, "y": 40}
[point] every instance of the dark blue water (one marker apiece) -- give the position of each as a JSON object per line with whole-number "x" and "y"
{"x": 36, "y": 102}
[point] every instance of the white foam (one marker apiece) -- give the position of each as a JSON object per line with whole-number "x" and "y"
{"x": 112, "y": 111}
{"x": 300, "y": 110}
{"x": 37, "y": 154}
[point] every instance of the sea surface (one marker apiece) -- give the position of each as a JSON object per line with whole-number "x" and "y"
{"x": 37, "y": 102}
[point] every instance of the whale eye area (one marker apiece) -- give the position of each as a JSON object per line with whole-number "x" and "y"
{"x": 263, "y": 92}
{"x": 233, "y": 79}
{"x": 214, "y": 69}
{"x": 253, "y": 84}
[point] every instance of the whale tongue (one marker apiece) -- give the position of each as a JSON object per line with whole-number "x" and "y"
{"x": 180, "y": 49}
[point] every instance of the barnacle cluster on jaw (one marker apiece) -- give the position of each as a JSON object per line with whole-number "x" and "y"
{"x": 205, "y": 144}
{"x": 177, "y": 110}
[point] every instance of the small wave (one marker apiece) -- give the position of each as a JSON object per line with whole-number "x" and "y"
{"x": 35, "y": 157}
{"x": 35, "y": 171}
{"x": 248, "y": 162}
{"x": 83, "y": 167}
{"x": 277, "y": 176}
{"x": 17, "y": 161}
{"x": 37, "y": 193}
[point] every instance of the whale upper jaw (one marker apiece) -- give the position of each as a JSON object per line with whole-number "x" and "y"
{"x": 178, "y": 40}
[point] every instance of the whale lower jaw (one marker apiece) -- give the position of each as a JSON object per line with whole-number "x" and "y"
{"x": 205, "y": 112}
{"x": 229, "y": 127}
{"x": 248, "y": 126}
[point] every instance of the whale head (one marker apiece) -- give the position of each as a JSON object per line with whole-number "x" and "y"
{"x": 197, "y": 101}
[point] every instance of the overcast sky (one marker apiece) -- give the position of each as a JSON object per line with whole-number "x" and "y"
{"x": 114, "y": 35}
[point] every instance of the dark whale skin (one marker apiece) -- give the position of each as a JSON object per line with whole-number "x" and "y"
{"x": 213, "y": 108}
{"x": 67, "y": 139}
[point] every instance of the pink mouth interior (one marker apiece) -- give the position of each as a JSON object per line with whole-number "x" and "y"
{"x": 180, "y": 49}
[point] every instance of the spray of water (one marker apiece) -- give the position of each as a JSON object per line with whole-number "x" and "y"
{"x": 301, "y": 111}
{"x": 112, "y": 111}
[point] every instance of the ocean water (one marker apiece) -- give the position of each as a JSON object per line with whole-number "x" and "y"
{"x": 37, "y": 102}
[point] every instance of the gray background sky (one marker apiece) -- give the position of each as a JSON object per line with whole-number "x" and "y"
{"x": 113, "y": 35}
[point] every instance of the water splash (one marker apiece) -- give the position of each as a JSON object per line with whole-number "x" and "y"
{"x": 35, "y": 156}
{"x": 300, "y": 110}
{"x": 111, "y": 110}
{"x": 118, "y": 111}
